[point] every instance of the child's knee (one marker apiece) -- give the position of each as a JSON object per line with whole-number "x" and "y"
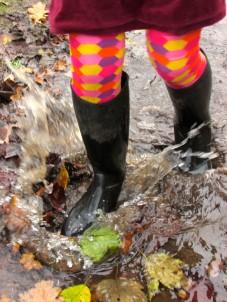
{"x": 97, "y": 63}
{"x": 177, "y": 59}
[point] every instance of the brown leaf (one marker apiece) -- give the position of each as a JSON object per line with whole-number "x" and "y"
{"x": 5, "y": 39}
{"x": 15, "y": 248}
{"x": 40, "y": 191}
{"x": 4, "y": 298}
{"x": 39, "y": 78}
{"x": 60, "y": 65}
{"x": 29, "y": 262}
{"x": 15, "y": 218}
{"x": 5, "y": 133}
{"x": 44, "y": 291}
{"x": 127, "y": 242}
{"x": 215, "y": 267}
{"x": 18, "y": 94}
{"x": 38, "y": 13}
{"x": 111, "y": 290}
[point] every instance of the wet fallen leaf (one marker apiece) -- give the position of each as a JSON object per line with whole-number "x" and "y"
{"x": 5, "y": 133}
{"x": 202, "y": 291}
{"x": 5, "y": 39}
{"x": 18, "y": 94}
{"x": 63, "y": 177}
{"x": 4, "y": 298}
{"x": 44, "y": 291}
{"x": 27, "y": 70}
{"x": 39, "y": 78}
{"x": 183, "y": 294}
{"x": 15, "y": 248}
{"x": 165, "y": 269}
{"x": 40, "y": 191}
{"x": 127, "y": 242}
{"x": 123, "y": 290}
{"x": 29, "y": 262}
{"x": 60, "y": 65}
{"x": 15, "y": 219}
{"x": 96, "y": 242}
{"x": 38, "y": 12}
{"x": 57, "y": 198}
{"x": 215, "y": 267}
{"x": 78, "y": 293}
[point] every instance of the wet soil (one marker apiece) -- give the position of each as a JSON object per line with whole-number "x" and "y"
{"x": 189, "y": 214}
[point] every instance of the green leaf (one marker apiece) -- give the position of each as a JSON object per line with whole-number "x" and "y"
{"x": 123, "y": 290}
{"x": 165, "y": 269}
{"x": 96, "y": 242}
{"x": 77, "y": 293}
{"x": 16, "y": 63}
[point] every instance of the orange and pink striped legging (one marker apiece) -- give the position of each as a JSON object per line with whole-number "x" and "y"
{"x": 97, "y": 62}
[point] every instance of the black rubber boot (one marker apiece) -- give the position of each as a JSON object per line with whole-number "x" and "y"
{"x": 105, "y": 131}
{"x": 191, "y": 111}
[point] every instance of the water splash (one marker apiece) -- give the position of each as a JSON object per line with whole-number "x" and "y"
{"x": 46, "y": 126}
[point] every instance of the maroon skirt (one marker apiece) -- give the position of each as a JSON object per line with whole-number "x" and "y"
{"x": 114, "y": 16}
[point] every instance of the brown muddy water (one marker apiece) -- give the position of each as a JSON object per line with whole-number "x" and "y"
{"x": 179, "y": 213}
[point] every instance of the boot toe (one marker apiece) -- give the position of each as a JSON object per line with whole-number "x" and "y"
{"x": 77, "y": 222}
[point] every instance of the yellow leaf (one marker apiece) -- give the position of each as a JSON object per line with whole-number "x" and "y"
{"x": 27, "y": 70}
{"x": 38, "y": 13}
{"x": 165, "y": 269}
{"x": 77, "y": 293}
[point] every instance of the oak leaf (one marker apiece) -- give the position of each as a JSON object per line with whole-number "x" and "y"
{"x": 29, "y": 262}
{"x": 123, "y": 290}
{"x": 162, "y": 268}
{"x": 44, "y": 291}
{"x": 38, "y": 13}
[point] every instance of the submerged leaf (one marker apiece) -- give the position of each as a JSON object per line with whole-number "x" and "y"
{"x": 123, "y": 290}
{"x": 78, "y": 293}
{"x": 96, "y": 242}
{"x": 165, "y": 269}
{"x": 44, "y": 291}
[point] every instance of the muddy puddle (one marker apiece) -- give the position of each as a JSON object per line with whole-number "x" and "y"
{"x": 164, "y": 209}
